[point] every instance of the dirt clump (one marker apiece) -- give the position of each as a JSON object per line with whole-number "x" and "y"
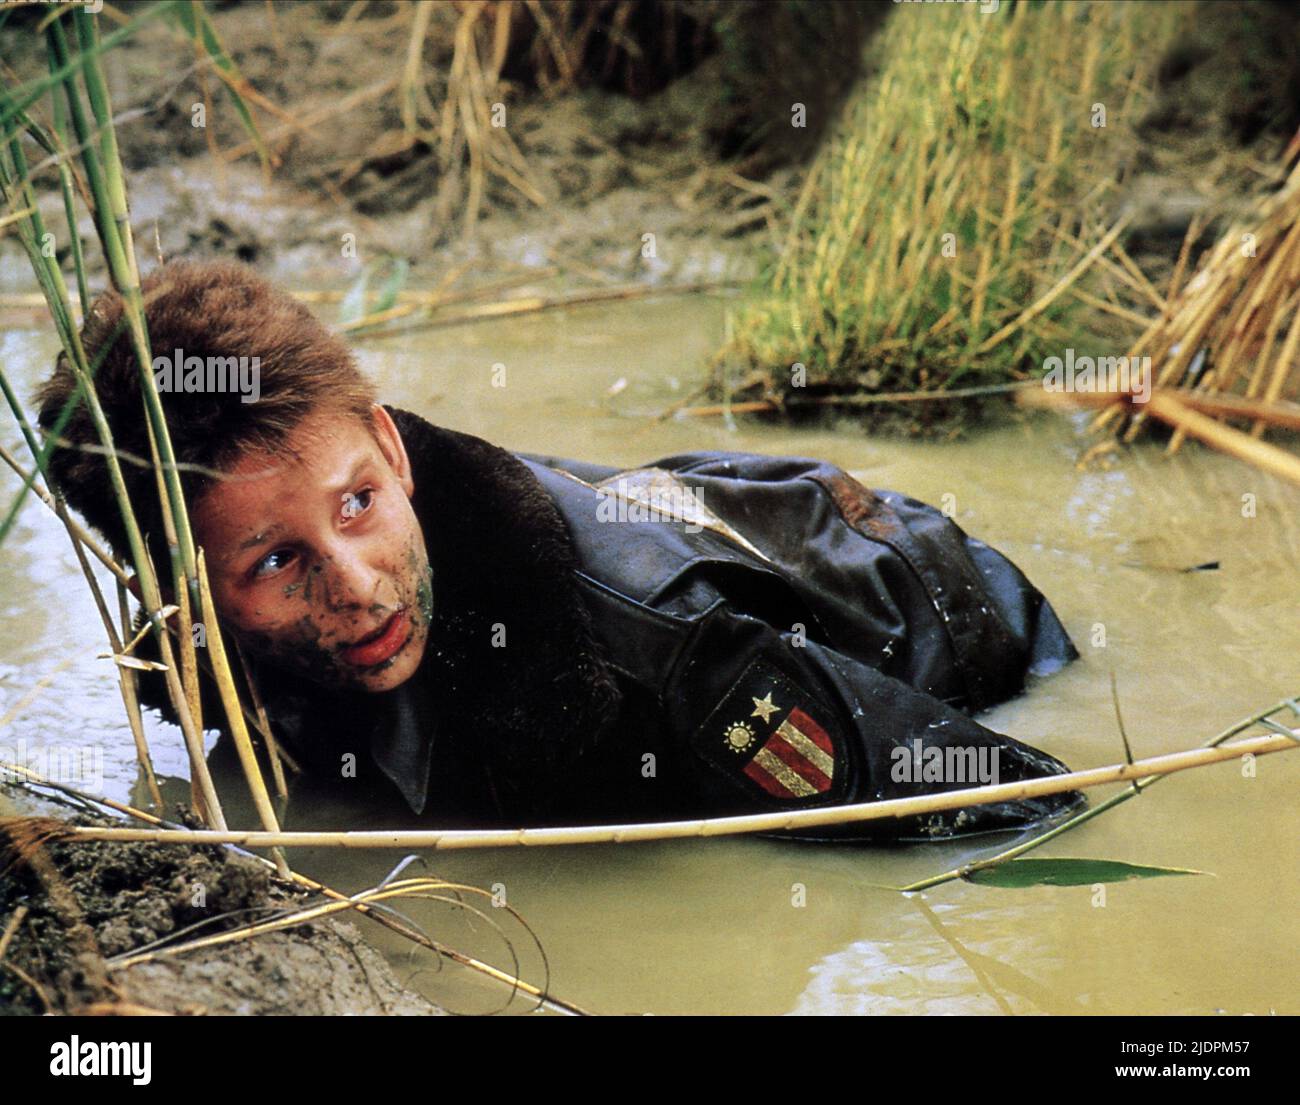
{"x": 85, "y": 903}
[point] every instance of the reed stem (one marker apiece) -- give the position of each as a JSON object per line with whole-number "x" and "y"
{"x": 782, "y": 821}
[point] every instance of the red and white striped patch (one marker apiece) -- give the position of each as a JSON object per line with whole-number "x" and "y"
{"x": 797, "y": 761}
{"x": 801, "y": 758}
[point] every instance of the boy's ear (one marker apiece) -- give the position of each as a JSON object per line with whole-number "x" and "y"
{"x": 133, "y": 585}
{"x": 389, "y": 438}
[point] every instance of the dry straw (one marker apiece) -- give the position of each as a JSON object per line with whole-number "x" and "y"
{"x": 1280, "y": 740}
{"x": 1232, "y": 333}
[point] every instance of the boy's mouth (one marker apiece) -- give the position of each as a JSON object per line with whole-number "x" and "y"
{"x": 384, "y": 643}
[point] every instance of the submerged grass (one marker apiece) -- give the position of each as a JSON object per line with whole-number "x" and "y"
{"x": 965, "y": 192}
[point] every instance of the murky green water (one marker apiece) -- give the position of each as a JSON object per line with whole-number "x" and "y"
{"x": 714, "y": 926}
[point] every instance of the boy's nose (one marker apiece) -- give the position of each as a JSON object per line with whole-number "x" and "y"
{"x": 350, "y": 580}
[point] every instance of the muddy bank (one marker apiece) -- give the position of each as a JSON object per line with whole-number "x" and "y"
{"x": 81, "y": 905}
{"x": 679, "y": 128}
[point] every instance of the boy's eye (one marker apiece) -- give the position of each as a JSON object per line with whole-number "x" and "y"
{"x": 271, "y": 563}
{"x": 357, "y": 502}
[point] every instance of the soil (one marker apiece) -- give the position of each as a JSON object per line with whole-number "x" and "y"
{"x": 108, "y": 899}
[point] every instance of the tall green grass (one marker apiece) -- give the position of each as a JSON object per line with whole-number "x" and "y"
{"x": 961, "y": 189}
{"x": 83, "y": 136}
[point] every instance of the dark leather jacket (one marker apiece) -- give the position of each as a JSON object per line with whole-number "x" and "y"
{"x": 713, "y": 634}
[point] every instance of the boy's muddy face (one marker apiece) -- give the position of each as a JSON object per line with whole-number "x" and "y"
{"x": 317, "y": 560}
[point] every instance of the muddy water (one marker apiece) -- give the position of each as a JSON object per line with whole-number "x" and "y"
{"x": 718, "y": 926}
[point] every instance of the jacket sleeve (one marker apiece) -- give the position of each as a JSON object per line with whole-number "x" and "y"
{"x": 897, "y": 583}
{"x": 772, "y": 721}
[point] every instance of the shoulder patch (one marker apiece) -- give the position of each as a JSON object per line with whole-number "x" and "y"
{"x": 771, "y": 736}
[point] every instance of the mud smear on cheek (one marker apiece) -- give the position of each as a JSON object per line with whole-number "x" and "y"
{"x": 421, "y": 571}
{"x": 424, "y": 597}
{"x": 309, "y": 585}
{"x": 300, "y": 650}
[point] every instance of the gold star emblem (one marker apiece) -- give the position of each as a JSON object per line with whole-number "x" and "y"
{"x": 764, "y": 707}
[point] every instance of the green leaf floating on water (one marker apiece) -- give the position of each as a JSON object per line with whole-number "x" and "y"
{"x": 1068, "y": 872}
{"x": 387, "y": 295}
{"x": 354, "y": 307}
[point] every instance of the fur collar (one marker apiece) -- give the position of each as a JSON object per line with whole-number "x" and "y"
{"x": 503, "y": 566}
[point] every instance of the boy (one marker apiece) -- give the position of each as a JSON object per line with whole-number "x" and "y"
{"x": 510, "y": 639}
